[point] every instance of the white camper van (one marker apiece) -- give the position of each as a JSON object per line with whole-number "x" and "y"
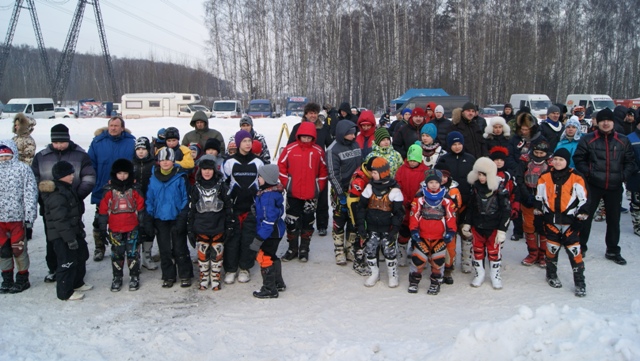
{"x": 538, "y": 103}
{"x": 596, "y": 102}
{"x": 39, "y": 108}
{"x": 143, "y": 105}
{"x": 227, "y": 109}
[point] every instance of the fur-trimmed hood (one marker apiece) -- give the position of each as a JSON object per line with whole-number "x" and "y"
{"x": 488, "y": 131}
{"x": 46, "y": 186}
{"x": 528, "y": 120}
{"x": 488, "y": 167}
{"x": 11, "y": 145}
{"x": 26, "y": 124}
{"x": 456, "y": 115}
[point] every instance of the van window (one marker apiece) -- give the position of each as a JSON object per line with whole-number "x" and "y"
{"x": 224, "y": 106}
{"x": 583, "y": 103}
{"x": 186, "y": 97}
{"x": 540, "y": 104}
{"x": 43, "y": 107}
{"x": 14, "y": 108}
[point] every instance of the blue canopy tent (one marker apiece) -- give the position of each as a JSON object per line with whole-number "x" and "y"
{"x": 439, "y": 92}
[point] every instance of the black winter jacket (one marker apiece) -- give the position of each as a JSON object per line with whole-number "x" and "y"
{"x": 442, "y": 125}
{"x": 488, "y": 210}
{"x": 605, "y": 160}
{"x": 343, "y": 159}
{"x": 406, "y": 135}
{"x": 142, "y": 172}
{"x": 474, "y": 142}
{"x": 460, "y": 165}
{"x": 61, "y": 211}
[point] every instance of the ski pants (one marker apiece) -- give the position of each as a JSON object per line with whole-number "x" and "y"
{"x": 236, "y": 250}
{"x": 382, "y": 240}
{"x": 125, "y": 246}
{"x": 322, "y": 211}
{"x": 71, "y": 267}
{"x": 267, "y": 253}
{"x": 563, "y": 236}
{"x": 484, "y": 240}
{"x": 431, "y": 251}
{"x": 13, "y": 245}
{"x": 173, "y": 251}
{"x": 341, "y": 217}
{"x": 300, "y": 215}
{"x": 612, "y": 201}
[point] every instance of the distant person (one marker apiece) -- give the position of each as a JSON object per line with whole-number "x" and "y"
{"x": 402, "y": 118}
{"x": 344, "y": 112}
{"x": 23, "y": 126}
{"x": 509, "y": 117}
{"x": 246, "y": 123}
{"x": 409, "y": 133}
{"x": 366, "y": 126}
{"x": 552, "y": 127}
{"x": 202, "y": 132}
{"x": 466, "y": 123}
{"x": 442, "y": 124}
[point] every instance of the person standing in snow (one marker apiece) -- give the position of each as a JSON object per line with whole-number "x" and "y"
{"x": 201, "y": 132}
{"x": 18, "y": 210}
{"x": 552, "y": 127}
{"x": 246, "y": 123}
{"x": 23, "y": 126}
{"x": 143, "y": 163}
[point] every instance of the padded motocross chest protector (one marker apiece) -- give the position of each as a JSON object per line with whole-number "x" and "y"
{"x": 122, "y": 202}
{"x": 209, "y": 200}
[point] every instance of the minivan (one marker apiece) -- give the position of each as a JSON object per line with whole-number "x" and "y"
{"x": 538, "y": 103}
{"x": 41, "y": 108}
{"x": 591, "y": 102}
{"x": 227, "y": 109}
{"x": 260, "y": 108}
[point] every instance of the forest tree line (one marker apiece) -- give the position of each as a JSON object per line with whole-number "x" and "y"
{"x": 369, "y": 52}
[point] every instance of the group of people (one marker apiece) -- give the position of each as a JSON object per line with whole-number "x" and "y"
{"x": 404, "y": 196}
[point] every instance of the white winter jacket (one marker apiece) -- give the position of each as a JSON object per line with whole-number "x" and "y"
{"x": 18, "y": 189}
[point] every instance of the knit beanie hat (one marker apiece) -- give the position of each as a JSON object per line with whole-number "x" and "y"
{"x": 433, "y": 174}
{"x": 553, "y": 109}
{"x": 498, "y": 152}
{"x": 143, "y": 142}
{"x": 414, "y": 153}
{"x": 62, "y": 169}
{"x": 246, "y": 120}
{"x": 381, "y": 165}
{"x": 256, "y": 147}
{"x": 171, "y": 133}
{"x": 417, "y": 112}
{"x": 604, "y": 114}
{"x": 380, "y": 135}
{"x": 563, "y": 153}
{"x": 368, "y": 164}
{"x": 350, "y": 131}
{"x": 207, "y": 161}
{"x": 60, "y": 133}
{"x": 455, "y": 137}
{"x": 240, "y": 135}
{"x": 4, "y": 150}
{"x": 213, "y": 143}
{"x": 160, "y": 139}
{"x": 439, "y": 109}
{"x": 468, "y": 106}
{"x": 431, "y": 130}
{"x": 269, "y": 173}
{"x": 232, "y": 145}
{"x": 166, "y": 154}
{"x": 406, "y": 110}
{"x": 121, "y": 165}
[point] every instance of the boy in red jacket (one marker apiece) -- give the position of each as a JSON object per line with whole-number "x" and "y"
{"x": 122, "y": 208}
{"x": 303, "y": 173}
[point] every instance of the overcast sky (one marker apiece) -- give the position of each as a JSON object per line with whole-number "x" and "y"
{"x": 171, "y": 30}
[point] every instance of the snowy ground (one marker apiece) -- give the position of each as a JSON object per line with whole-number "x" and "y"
{"x": 326, "y": 312}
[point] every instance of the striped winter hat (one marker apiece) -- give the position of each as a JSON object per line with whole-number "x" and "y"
{"x": 381, "y": 134}
{"x": 381, "y": 165}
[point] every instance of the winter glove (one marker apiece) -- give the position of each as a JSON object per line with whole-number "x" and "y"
{"x": 515, "y": 210}
{"x": 537, "y": 212}
{"x": 73, "y": 244}
{"x": 255, "y": 245}
{"x": 500, "y": 237}
{"x": 466, "y": 231}
{"x": 415, "y": 236}
{"x": 448, "y": 237}
{"x": 192, "y": 239}
{"x": 104, "y": 235}
{"x": 582, "y": 217}
{"x": 28, "y": 225}
{"x": 362, "y": 233}
{"x": 310, "y": 206}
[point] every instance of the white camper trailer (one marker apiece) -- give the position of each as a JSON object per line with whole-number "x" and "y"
{"x": 144, "y": 105}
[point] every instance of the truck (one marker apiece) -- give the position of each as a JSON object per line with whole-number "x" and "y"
{"x": 538, "y": 103}
{"x": 629, "y": 103}
{"x": 591, "y": 102}
{"x": 143, "y": 105}
{"x": 261, "y": 108}
{"x": 41, "y": 108}
{"x": 295, "y": 106}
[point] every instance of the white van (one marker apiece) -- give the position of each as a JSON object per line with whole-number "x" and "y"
{"x": 227, "y": 109}
{"x": 39, "y": 108}
{"x": 538, "y": 103}
{"x": 596, "y": 102}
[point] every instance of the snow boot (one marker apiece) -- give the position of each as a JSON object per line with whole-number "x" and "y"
{"x": 230, "y": 277}
{"x": 7, "y": 281}
{"x": 134, "y": 283}
{"x": 542, "y": 251}
{"x": 349, "y": 249}
{"x": 116, "y": 284}
{"x": 375, "y": 273}
{"x": 434, "y": 287}
{"x": 268, "y": 289}
{"x": 280, "y": 285}
{"x": 244, "y": 276}
{"x": 578, "y": 279}
{"x": 392, "y": 272}
{"x": 532, "y": 248}
{"x": 496, "y": 279}
{"x": 98, "y": 254}
{"x": 214, "y": 275}
{"x": 448, "y": 278}
{"x": 50, "y": 278}
{"x": 185, "y": 282}
{"x": 21, "y": 283}
{"x": 467, "y": 255}
{"x": 292, "y": 252}
{"x": 338, "y": 244}
{"x": 414, "y": 280}
{"x": 305, "y": 241}
{"x": 479, "y": 269}
{"x": 552, "y": 269}
{"x": 205, "y": 274}
{"x": 402, "y": 254}
{"x": 147, "y": 260}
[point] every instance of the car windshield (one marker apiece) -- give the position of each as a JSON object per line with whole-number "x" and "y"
{"x": 601, "y": 104}
{"x": 14, "y": 108}
{"x": 540, "y": 104}
{"x": 490, "y": 111}
{"x": 296, "y": 105}
{"x": 201, "y": 107}
{"x": 224, "y": 107}
{"x": 259, "y": 107}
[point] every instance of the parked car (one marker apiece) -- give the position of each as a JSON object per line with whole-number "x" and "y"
{"x": 498, "y": 107}
{"x": 190, "y": 109}
{"x": 488, "y": 113}
{"x": 1, "y": 107}
{"x": 62, "y": 112}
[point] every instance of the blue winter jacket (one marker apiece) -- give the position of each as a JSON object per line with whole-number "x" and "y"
{"x": 166, "y": 198}
{"x": 269, "y": 205}
{"x": 103, "y": 151}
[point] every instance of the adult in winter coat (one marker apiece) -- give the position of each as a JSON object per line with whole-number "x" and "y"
{"x": 527, "y": 130}
{"x": 303, "y": 173}
{"x": 344, "y": 111}
{"x": 62, "y": 148}
{"x": 552, "y": 128}
{"x": 366, "y": 126}
{"x": 110, "y": 143}
{"x": 619, "y": 115}
{"x": 509, "y": 117}
{"x": 202, "y": 132}
{"x": 570, "y": 138}
{"x": 324, "y": 139}
{"x": 18, "y": 210}
{"x": 402, "y": 118}
{"x": 465, "y": 123}
{"x": 246, "y": 123}
{"x": 22, "y": 128}
{"x": 408, "y": 133}
{"x": 605, "y": 158}
{"x": 442, "y": 124}
{"x": 343, "y": 158}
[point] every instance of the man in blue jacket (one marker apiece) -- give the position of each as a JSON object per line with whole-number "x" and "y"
{"x": 110, "y": 143}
